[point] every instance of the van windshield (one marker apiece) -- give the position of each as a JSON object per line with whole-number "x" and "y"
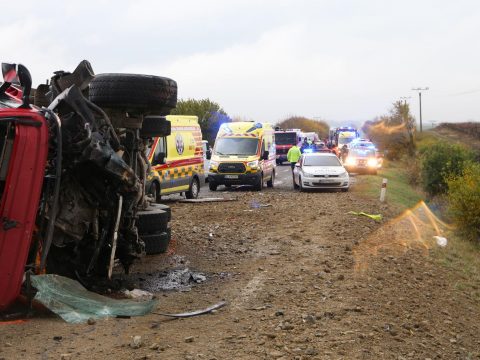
{"x": 345, "y": 140}
{"x": 236, "y": 146}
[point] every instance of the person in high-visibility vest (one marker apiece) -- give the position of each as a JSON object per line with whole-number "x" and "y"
{"x": 293, "y": 155}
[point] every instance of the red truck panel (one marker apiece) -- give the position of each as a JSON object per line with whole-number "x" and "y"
{"x": 20, "y": 199}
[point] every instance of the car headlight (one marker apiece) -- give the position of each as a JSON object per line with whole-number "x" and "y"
{"x": 343, "y": 174}
{"x": 351, "y": 161}
{"x": 213, "y": 164}
{"x": 372, "y": 162}
{"x": 253, "y": 164}
{"x": 306, "y": 174}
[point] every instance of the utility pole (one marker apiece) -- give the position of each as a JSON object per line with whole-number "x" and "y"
{"x": 419, "y": 89}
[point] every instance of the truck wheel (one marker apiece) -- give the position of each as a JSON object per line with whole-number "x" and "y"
{"x": 212, "y": 186}
{"x": 193, "y": 190}
{"x": 146, "y": 94}
{"x": 153, "y": 126}
{"x": 259, "y": 185}
{"x": 152, "y": 220}
{"x": 165, "y": 208}
{"x": 271, "y": 182}
{"x": 156, "y": 243}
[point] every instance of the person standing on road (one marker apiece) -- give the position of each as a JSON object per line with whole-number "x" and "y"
{"x": 344, "y": 153}
{"x": 293, "y": 156}
{"x": 304, "y": 145}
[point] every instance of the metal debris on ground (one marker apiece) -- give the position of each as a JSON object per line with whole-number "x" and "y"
{"x": 441, "y": 241}
{"x": 196, "y": 312}
{"x": 376, "y": 217}
{"x": 138, "y": 294}
{"x": 256, "y": 205}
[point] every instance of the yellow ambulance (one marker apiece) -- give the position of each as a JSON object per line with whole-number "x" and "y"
{"x": 244, "y": 154}
{"x": 177, "y": 160}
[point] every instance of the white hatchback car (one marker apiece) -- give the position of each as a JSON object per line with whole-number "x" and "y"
{"x": 320, "y": 171}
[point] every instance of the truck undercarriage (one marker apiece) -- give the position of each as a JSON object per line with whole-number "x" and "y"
{"x": 92, "y": 195}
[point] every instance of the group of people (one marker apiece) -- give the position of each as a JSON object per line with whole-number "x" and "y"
{"x": 295, "y": 152}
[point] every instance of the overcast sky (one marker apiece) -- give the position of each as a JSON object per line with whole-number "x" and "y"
{"x": 342, "y": 61}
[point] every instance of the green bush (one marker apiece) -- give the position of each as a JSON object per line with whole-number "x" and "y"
{"x": 464, "y": 200}
{"x": 439, "y": 162}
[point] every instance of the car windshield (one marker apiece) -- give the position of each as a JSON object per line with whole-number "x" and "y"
{"x": 362, "y": 145}
{"x": 236, "y": 146}
{"x": 286, "y": 138}
{"x": 321, "y": 161}
{"x": 362, "y": 152}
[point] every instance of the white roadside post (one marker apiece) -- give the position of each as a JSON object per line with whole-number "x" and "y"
{"x": 384, "y": 190}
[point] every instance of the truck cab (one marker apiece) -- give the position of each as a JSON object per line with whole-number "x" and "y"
{"x": 284, "y": 140}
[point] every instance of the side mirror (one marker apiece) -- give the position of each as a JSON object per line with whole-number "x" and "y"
{"x": 208, "y": 154}
{"x": 159, "y": 158}
{"x": 18, "y": 73}
{"x": 26, "y": 82}
{"x": 265, "y": 155}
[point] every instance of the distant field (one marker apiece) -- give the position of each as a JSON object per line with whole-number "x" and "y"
{"x": 468, "y": 128}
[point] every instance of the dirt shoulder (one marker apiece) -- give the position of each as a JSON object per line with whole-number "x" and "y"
{"x": 303, "y": 280}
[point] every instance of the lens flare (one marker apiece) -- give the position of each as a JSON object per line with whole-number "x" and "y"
{"x": 414, "y": 229}
{"x": 386, "y": 129}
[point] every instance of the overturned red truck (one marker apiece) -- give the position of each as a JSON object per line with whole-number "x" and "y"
{"x": 73, "y": 170}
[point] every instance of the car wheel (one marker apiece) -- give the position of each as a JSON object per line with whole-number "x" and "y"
{"x": 295, "y": 186}
{"x": 271, "y": 182}
{"x": 259, "y": 185}
{"x": 345, "y": 190}
{"x": 194, "y": 189}
{"x": 212, "y": 186}
{"x": 134, "y": 93}
{"x": 156, "y": 243}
